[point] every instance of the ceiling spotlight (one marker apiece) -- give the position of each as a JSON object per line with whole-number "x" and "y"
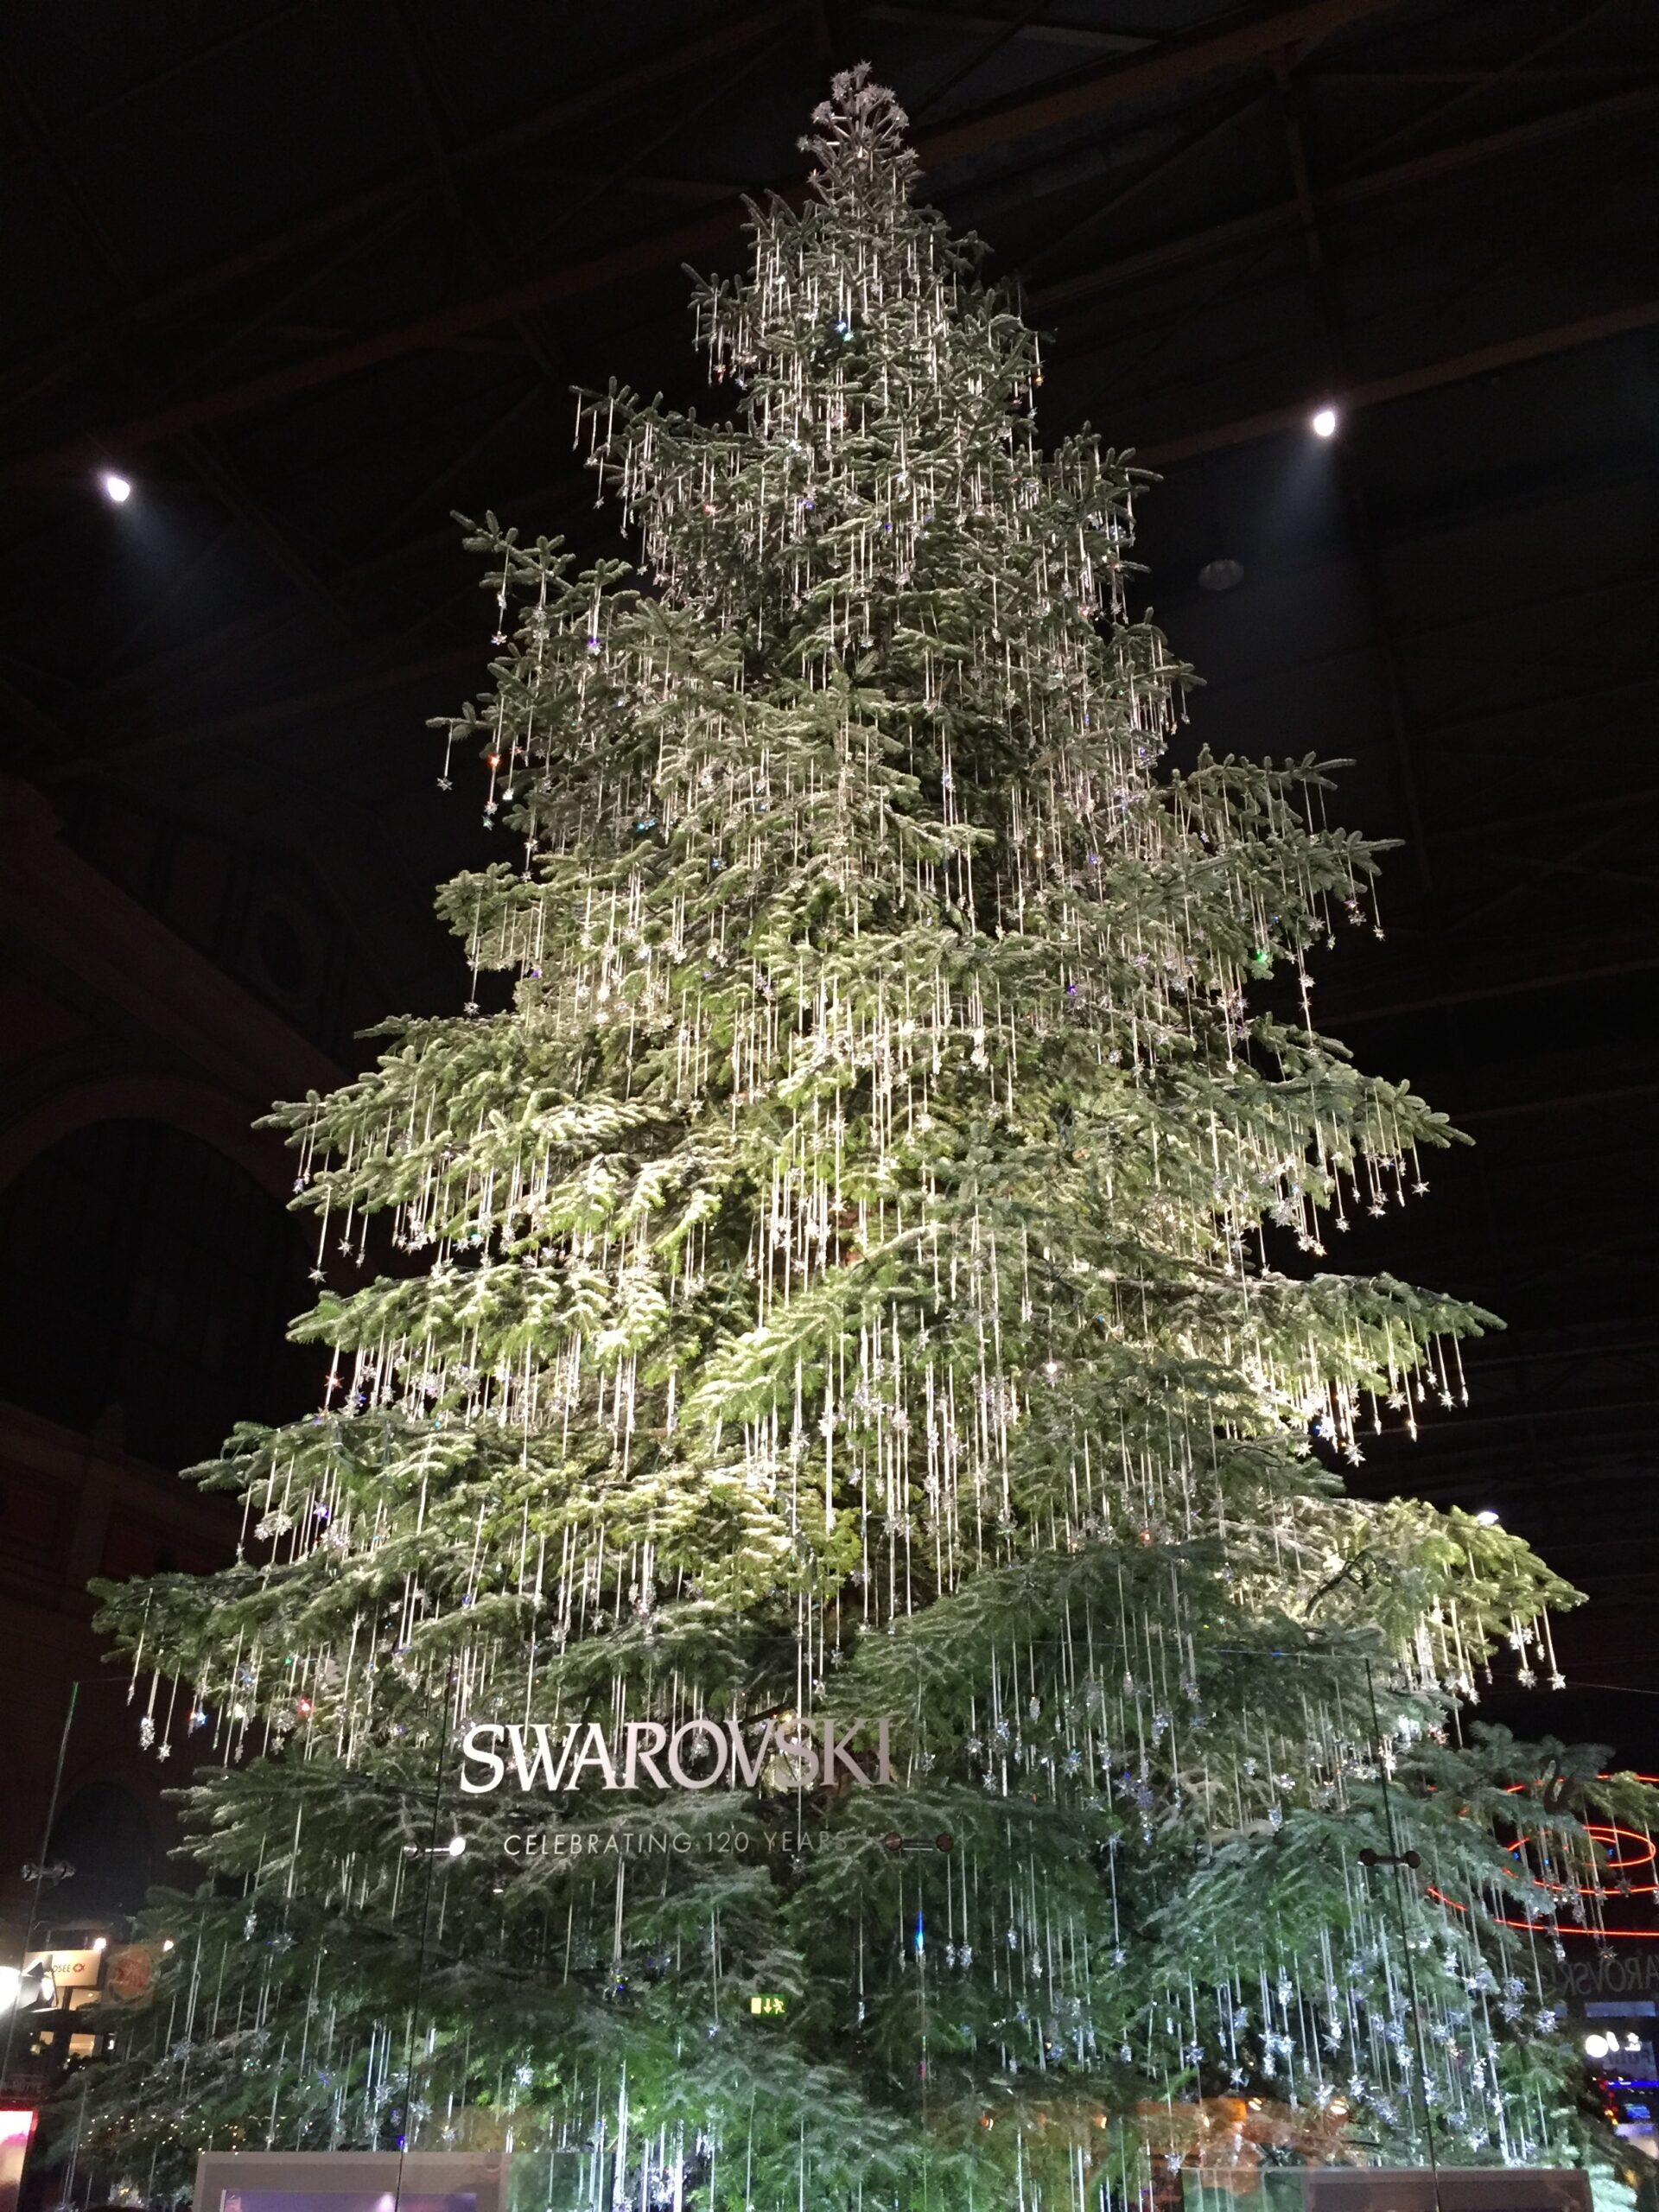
{"x": 457, "y": 1845}
{"x": 1221, "y": 576}
{"x": 1487, "y": 1518}
{"x": 117, "y": 489}
{"x": 1323, "y": 422}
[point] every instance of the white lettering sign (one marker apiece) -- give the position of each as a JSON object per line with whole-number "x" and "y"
{"x": 697, "y": 1754}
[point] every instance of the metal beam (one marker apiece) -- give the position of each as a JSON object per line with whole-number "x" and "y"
{"x": 1582, "y": 74}
{"x": 1035, "y": 34}
{"x": 666, "y": 69}
{"x": 1264, "y": 30}
{"x": 61, "y": 355}
{"x": 1007, "y": 29}
{"x": 277, "y": 714}
{"x": 436, "y": 111}
{"x": 1582, "y": 18}
{"x": 1224, "y": 239}
{"x": 720, "y": 227}
{"x": 568, "y": 280}
{"x": 557, "y": 502}
{"x": 1513, "y": 987}
{"x": 1157, "y": 172}
{"x": 226, "y": 42}
{"x": 1251, "y": 36}
{"x": 271, "y": 536}
{"x": 269, "y": 533}
{"x": 1579, "y": 1101}
{"x": 565, "y": 504}
{"x": 1430, "y": 376}
{"x": 33, "y": 721}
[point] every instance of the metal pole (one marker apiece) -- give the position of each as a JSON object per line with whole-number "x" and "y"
{"x": 420, "y": 1964}
{"x": 39, "y": 1867}
{"x": 1405, "y": 1935}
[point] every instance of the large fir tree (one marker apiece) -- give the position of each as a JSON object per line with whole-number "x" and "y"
{"x": 848, "y": 1283}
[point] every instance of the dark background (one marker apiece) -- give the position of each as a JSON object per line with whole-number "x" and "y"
{"x": 313, "y": 273}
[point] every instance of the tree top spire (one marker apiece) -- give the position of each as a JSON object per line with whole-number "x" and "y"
{"x": 860, "y": 134}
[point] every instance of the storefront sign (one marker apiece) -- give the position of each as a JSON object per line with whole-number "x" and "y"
{"x": 68, "y": 1969}
{"x": 1615, "y": 1974}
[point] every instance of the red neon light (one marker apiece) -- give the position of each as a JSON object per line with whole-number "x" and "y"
{"x": 1646, "y": 1857}
{"x": 1598, "y": 1831}
{"x": 1499, "y": 1920}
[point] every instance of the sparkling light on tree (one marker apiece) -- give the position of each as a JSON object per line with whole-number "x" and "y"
{"x": 848, "y": 1286}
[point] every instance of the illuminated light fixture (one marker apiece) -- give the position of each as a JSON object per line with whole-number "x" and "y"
{"x": 1323, "y": 423}
{"x": 456, "y": 1845}
{"x": 1598, "y": 2046}
{"x": 100, "y": 1942}
{"x": 167, "y": 1943}
{"x": 11, "y": 1987}
{"x": 118, "y": 489}
{"x": 1487, "y": 1518}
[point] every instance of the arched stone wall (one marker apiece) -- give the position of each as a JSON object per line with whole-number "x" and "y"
{"x": 195, "y": 1108}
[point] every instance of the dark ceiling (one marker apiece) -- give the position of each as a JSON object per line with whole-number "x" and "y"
{"x": 314, "y": 274}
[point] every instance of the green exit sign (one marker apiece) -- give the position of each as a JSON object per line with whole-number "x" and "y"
{"x": 770, "y": 2007}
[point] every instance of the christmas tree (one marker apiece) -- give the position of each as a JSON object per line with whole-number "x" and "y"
{"x": 817, "y": 1651}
